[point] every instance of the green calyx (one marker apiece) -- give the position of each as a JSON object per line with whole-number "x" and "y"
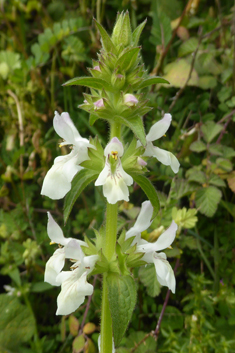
{"x": 132, "y": 160}
{"x": 124, "y": 258}
{"x": 96, "y": 155}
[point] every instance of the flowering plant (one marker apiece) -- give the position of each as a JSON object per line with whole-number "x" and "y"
{"x": 118, "y": 95}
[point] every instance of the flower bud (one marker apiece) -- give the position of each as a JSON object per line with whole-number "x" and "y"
{"x": 97, "y": 68}
{"x": 118, "y": 80}
{"x": 141, "y": 162}
{"x": 99, "y": 104}
{"x": 130, "y": 100}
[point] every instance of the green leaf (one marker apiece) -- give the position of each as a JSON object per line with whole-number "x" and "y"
{"x": 149, "y": 190}
{"x": 188, "y": 47}
{"x": 147, "y": 275}
{"x": 210, "y": 130}
{"x": 224, "y": 164}
{"x": 40, "y": 287}
{"x": 181, "y": 188}
{"x": 177, "y": 74}
{"x": 230, "y": 207}
{"x": 122, "y": 299}
{"x": 137, "y": 32}
{"x": 215, "y": 149}
{"x": 105, "y": 39}
{"x": 93, "y": 118}
{"x": 125, "y": 35}
{"x": 198, "y": 146}
{"x": 207, "y": 82}
{"x": 207, "y": 200}
{"x": 217, "y": 181}
{"x": 196, "y": 175}
{"x": 161, "y": 28}
{"x": 135, "y": 340}
{"x": 92, "y": 82}
{"x": 80, "y": 181}
{"x": 128, "y": 59}
{"x": 79, "y": 343}
{"x": 152, "y": 81}
{"x": 16, "y": 323}
{"x": 135, "y": 124}
{"x": 15, "y": 276}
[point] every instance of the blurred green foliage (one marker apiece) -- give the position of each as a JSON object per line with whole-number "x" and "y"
{"x": 191, "y": 44}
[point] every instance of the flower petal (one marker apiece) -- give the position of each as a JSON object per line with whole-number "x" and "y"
{"x": 115, "y": 190}
{"x": 114, "y": 145}
{"x": 56, "y": 184}
{"x": 165, "y": 274}
{"x": 163, "y": 242}
{"x": 130, "y": 99}
{"x": 143, "y": 220}
{"x": 54, "y": 231}
{"x": 174, "y": 163}
{"x": 53, "y": 267}
{"x": 65, "y": 128}
{"x": 73, "y": 250}
{"x": 162, "y": 156}
{"x": 73, "y": 292}
{"x": 159, "y": 128}
{"x": 71, "y": 167}
{"x": 102, "y": 178}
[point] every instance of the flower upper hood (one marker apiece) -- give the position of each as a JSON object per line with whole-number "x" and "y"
{"x": 114, "y": 179}
{"x": 57, "y": 182}
{"x": 156, "y": 131}
{"x": 164, "y": 272}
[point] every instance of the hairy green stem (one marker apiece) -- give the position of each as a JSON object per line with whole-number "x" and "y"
{"x": 106, "y": 322}
{"x": 115, "y": 130}
{"x": 109, "y": 251}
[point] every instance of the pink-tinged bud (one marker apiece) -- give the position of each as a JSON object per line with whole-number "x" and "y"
{"x": 130, "y": 100}
{"x": 99, "y": 104}
{"x": 141, "y": 162}
{"x": 97, "y": 68}
{"x": 85, "y": 101}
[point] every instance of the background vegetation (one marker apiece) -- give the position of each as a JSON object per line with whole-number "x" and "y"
{"x": 42, "y": 45}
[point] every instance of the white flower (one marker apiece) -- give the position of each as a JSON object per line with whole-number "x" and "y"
{"x": 56, "y": 262}
{"x": 58, "y": 179}
{"x": 164, "y": 272}
{"x": 156, "y": 131}
{"x": 142, "y": 223}
{"x": 114, "y": 179}
{"x": 74, "y": 286}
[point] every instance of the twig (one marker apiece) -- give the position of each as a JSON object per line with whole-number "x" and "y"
{"x": 155, "y": 333}
{"x": 157, "y": 330}
{"x": 21, "y": 127}
{"x": 226, "y": 116}
{"x": 178, "y": 94}
{"x": 142, "y": 341}
{"x": 215, "y": 30}
{"x": 87, "y": 306}
{"x": 224, "y": 130}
